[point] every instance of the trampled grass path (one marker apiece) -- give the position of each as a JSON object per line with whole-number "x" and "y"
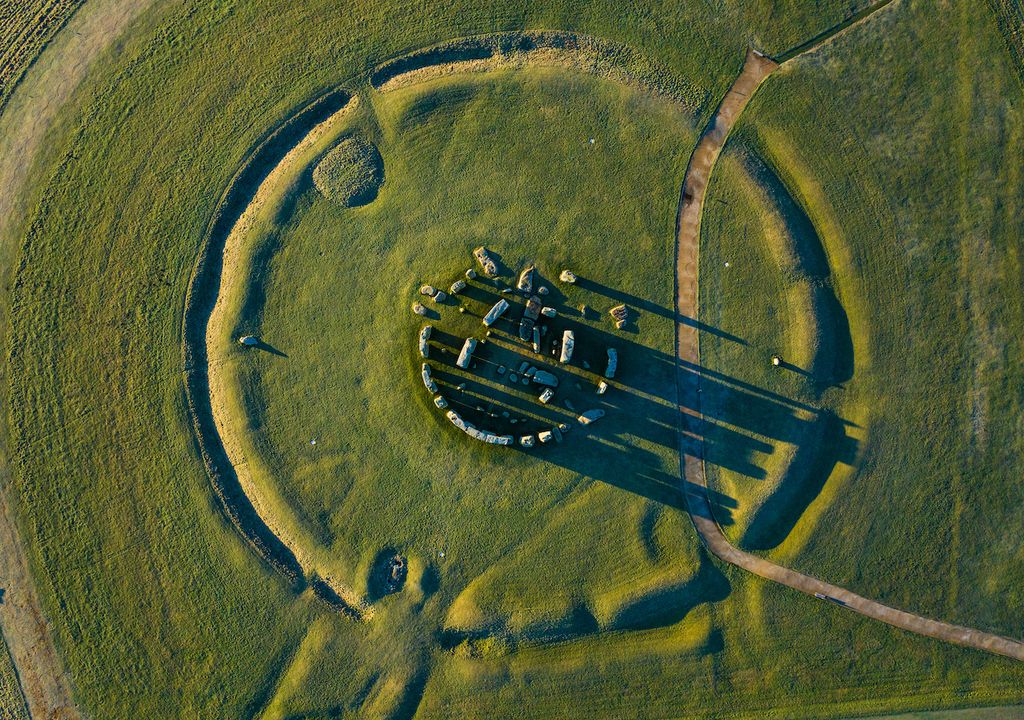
{"x": 688, "y": 384}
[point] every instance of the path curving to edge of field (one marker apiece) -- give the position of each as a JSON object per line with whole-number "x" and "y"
{"x": 756, "y": 68}
{"x": 47, "y": 85}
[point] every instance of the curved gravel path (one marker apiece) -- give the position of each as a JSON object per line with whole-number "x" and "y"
{"x": 688, "y": 379}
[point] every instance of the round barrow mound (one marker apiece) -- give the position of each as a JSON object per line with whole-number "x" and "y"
{"x": 351, "y": 173}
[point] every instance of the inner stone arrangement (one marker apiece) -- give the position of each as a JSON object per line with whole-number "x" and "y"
{"x": 529, "y": 370}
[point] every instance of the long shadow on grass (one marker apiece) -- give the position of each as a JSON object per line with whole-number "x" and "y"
{"x": 739, "y": 424}
{"x": 807, "y": 261}
{"x": 638, "y": 303}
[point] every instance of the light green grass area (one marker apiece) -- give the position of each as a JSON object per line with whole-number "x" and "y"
{"x": 12, "y": 702}
{"x": 568, "y": 587}
{"x": 917, "y": 206}
{"x": 530, "y": 201}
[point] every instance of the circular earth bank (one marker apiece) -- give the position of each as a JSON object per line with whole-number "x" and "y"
{"x": 543, "y": 167}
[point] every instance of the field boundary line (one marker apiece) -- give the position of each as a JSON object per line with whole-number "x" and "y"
{"x": 756, "y": 69}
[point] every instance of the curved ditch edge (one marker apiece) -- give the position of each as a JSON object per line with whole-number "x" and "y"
{"x": 581, "y": 52}
{"x": 614, "y": 62}
{"x": 200, "y": 299}
{"x": 756, "y": 69}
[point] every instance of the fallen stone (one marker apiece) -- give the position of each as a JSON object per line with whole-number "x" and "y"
{"x": 568, "y": 344}
{"x": 613, "y": 363}
{"x": 513, "y": 378}
{"x": 567, "y": 276}
{"x": 495, "y": 312}
{"x": 467, "y": 353}
{"x": 590, "y": 416}
{"x": 543, "y": 377}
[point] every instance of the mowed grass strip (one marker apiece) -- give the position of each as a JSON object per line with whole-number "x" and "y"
{"x": 12, "y": 701}
{"x": 25, "y": 28}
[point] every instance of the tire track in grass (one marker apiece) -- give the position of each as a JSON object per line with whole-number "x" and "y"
{"x": 755, "y": 70}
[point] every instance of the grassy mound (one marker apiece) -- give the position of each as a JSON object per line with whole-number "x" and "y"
{"x": 351, "y": 173}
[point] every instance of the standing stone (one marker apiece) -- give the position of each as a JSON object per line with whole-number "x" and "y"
{"x": 525, "y": 283}
{"x": 487, "y": 263}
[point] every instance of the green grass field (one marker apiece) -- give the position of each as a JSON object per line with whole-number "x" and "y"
{"x": 923, "y": 263}
{"x": 868, "y": 207}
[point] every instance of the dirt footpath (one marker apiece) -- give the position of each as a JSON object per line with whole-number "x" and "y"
{"x": 42, "y": 92}
{"x": 755, "y": 70}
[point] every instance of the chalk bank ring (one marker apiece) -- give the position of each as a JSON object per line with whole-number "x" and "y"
{"x": 284, "y": 149}
{"x": 253, "y": 192}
